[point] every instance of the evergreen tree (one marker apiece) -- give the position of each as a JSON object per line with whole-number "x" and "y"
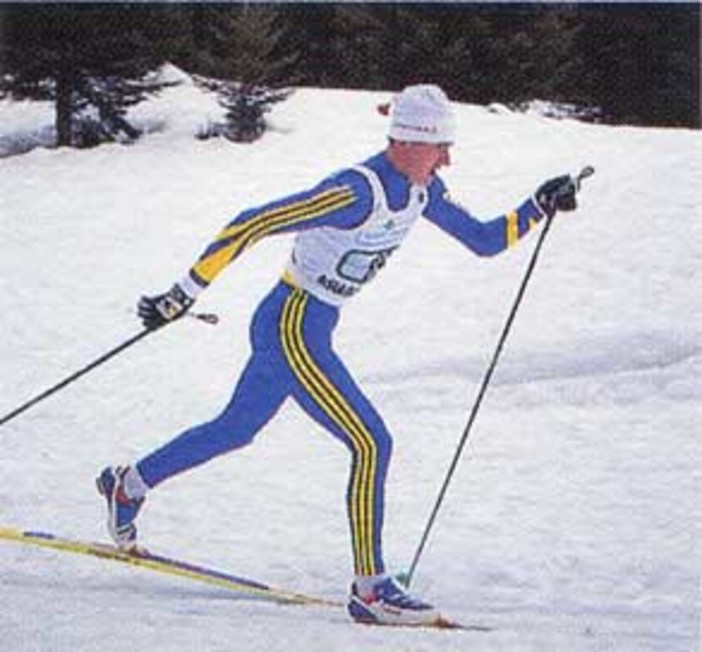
{"x": 88, "y": 59}
{"x": 245, "y": 105}
{"x": 310, "y": 34}
{"x": 640, "y": 63}
{"x": 240, "y": 43}
{"x": 643, "y": 62}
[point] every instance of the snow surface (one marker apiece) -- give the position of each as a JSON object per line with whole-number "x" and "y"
{"x": 573, "y": 522}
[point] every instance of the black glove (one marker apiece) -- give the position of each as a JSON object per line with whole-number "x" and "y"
{"x": 557, "y": 195}
{"x": 164, "y": 308}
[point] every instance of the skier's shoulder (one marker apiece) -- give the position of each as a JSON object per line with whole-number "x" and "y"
{"x": 360, "y": 177}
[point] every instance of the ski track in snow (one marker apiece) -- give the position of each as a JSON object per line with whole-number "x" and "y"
{"x": 573, "y": 521}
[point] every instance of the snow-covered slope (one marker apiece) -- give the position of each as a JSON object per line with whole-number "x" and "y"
{"x": 572, "y": 523}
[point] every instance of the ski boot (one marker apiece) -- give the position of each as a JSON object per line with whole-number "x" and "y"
{"x": 388, "y": 603}
{"x": 122, "y": 510}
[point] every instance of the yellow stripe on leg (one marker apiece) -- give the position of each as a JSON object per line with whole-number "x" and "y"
{"x": 336, "y": 407}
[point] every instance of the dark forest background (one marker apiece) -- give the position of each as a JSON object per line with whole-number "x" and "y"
{"x": 631, "y": 63}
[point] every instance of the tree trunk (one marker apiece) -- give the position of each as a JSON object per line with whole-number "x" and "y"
{"x": 64, "y": 107}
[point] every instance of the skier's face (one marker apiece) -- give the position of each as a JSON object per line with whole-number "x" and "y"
{"x": 419, "y": 161}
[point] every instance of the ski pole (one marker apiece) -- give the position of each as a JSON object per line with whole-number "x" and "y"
{"x": 406, "y": 578}
{"x": 205, "y": 317}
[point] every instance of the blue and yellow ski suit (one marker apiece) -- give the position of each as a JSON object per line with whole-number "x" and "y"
{"x": 346, "y": 229}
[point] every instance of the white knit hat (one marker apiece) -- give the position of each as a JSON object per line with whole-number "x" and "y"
{"x": 422, "y": 114}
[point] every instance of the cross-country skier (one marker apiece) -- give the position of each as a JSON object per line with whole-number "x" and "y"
{"x": 346, "y": 227}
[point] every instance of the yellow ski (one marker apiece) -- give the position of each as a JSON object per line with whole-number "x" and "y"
{"x": 243, "y": 587}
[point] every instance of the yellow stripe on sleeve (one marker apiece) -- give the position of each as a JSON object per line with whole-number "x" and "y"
{"x": 245, "y": 234}
{"x": 512, "y": 228}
